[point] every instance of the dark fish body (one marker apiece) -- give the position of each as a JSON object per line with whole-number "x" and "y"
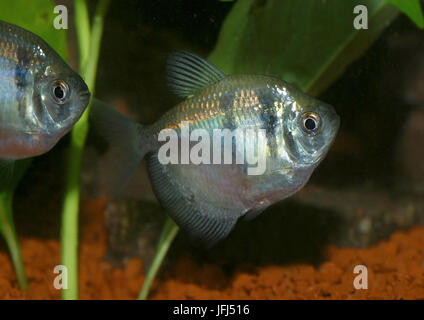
{"x": 207, "y": 199}
{"x": 41, "y": 97}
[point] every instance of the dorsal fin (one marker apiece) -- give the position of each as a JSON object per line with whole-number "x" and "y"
{"x": 187, "y": 73}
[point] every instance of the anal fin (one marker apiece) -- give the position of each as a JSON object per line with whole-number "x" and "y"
{"x": 201, "y": 221}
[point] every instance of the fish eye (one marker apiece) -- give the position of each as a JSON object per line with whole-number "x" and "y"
{"x": 60, "y": 91}
{"x": 311, "y": 122}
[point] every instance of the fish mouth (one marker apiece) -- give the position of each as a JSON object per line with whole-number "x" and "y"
{"x": 85, "y": 96}
{"x": 335, "y": 125}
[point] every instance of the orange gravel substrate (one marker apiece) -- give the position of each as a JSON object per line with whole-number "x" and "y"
{"x": 395, "y": 271}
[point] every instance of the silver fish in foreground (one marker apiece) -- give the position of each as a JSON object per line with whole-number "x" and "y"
{"x": 206, "y": 200}
{"x": 41, "y": 97}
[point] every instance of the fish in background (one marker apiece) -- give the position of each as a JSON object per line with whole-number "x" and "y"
{"x": 206, "y": 200}
{"x": 41, "y": 97}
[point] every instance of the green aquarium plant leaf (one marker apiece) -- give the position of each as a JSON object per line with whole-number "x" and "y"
{"x": 169, "y": 232}
{"x": 89, "y": 40}
{"x": 7, "y": 227}
{"x": 36, "y": 16}
{"x": 412, "y": 8}
{"x": 308, "y": 43}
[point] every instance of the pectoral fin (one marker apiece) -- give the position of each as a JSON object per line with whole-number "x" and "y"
{"x": 203, "y": 222}
{"x": 252, "y": 214}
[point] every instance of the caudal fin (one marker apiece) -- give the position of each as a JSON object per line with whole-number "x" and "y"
{"x": 127, "y": 145}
